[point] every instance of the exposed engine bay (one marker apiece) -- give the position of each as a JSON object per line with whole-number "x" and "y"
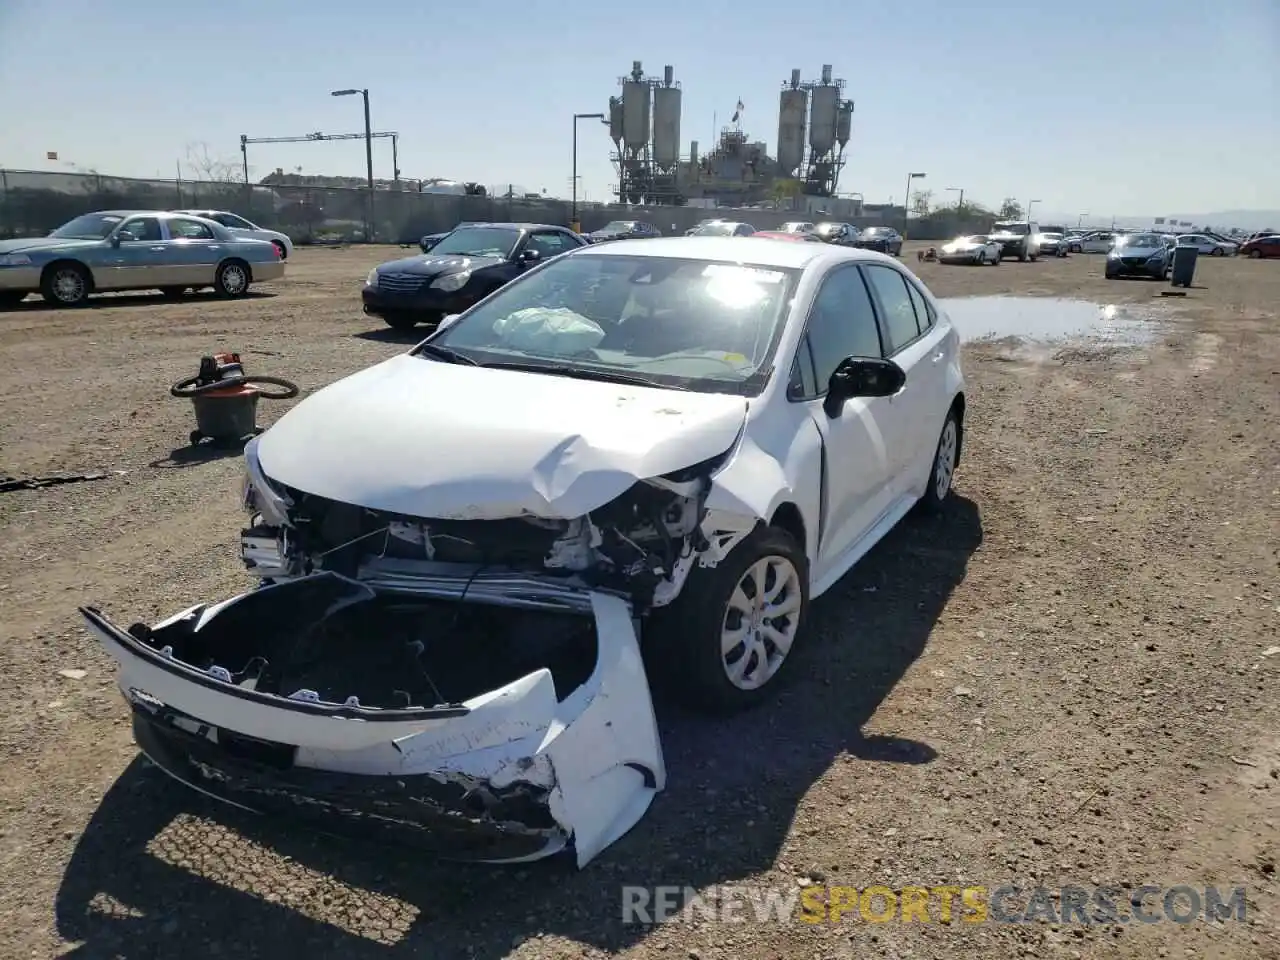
{"x": 640, "y": 546}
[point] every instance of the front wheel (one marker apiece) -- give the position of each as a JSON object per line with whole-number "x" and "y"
{"x": 982, "y": 259}
{"x": 1217, "y": 252}
{"x": 726, "y": 641}
{"x": 232, "y": 279}
{"x": 66, "y": 284}
{"x": 1255, "y": 254}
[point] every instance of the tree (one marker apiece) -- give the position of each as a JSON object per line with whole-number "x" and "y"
{"x": 1010, "y": 209}
{"x": 922, "y": 202}
{"x": 203, "y": 164}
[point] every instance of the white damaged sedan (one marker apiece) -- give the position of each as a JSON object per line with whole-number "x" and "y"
{"x": 670, "y": 445}
{"x": 976, "y": 249}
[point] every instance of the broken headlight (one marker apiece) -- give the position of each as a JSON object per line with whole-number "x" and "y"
{"x": 258, "y": 495}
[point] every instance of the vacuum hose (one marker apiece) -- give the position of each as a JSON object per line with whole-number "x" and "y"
{"x": 192, "y": 387}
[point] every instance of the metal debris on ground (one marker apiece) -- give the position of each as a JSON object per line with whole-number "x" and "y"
{"x": 9, "y": 484}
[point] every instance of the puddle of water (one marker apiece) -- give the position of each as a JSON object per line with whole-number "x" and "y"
{"x": 1048, "y": 319}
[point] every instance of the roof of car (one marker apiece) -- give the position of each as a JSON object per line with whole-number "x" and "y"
{"x": 516, "y": 226}
{"x": 763, "y": 252}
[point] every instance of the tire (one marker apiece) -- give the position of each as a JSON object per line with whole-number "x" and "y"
{"x": 1217, "y": 252}
{"x": 686, "y": 651}
{"x": 1255, "y": 254}
{"x": 982, "y": 258}
{"x": 173, "y": 293}
{"x": 281, "y": 250}
{"x": 232, "y": 279}
{"x": 946, "y": 457}
{"x": 66, "y": 284}
{"x": 1022, "y": 255}
{"x": 401, "y": 321}
{"x": 998, "y": 258}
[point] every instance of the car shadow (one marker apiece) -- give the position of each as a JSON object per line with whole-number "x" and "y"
{"x": 143, "y": 298}
{"x": 193, "y": 455}
{"x": 158, "y": 865}
{"x": 391, "y": 335}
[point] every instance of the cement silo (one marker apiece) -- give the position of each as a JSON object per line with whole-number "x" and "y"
{"x": 635, "y": 110}
{"x": 823, "y": 110}
{"x": 844, "y": 123}
{"x": 615, "y": 120}
{"x": 792, "y": 107}
{"x": 666, "y": 122}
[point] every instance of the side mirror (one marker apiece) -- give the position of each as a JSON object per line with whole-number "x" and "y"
{"x": 120, "y": 235}
{"x": 862, "y": 377}
{"x": 528, "y": 257}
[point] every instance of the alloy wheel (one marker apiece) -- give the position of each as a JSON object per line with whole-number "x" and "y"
{"x": 760, "y": 622}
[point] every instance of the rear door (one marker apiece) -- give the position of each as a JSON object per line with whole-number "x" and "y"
{"x": 913, "y": 342}
{"x": 193, "y": 252}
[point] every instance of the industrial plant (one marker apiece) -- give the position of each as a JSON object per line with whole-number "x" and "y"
{"x": 644, "y": 124}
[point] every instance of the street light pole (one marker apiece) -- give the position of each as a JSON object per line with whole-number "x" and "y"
{"x": 1030, "y": 204}
{"x": 368, "y": 154}
{"x": 1080, "y": 219}
{"x": 573, "y": 214}
{"x": 960, "y": 202}
{"x": 906, "y": 203}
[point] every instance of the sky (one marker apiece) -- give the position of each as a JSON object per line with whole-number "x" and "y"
{"x": 1101, "y": 108}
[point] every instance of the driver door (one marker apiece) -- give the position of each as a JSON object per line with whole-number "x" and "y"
{"x": 857, "y": 441}
{"x": 137, "y": 260}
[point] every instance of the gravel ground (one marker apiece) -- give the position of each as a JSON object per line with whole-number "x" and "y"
{"x": 1063, "y": 681}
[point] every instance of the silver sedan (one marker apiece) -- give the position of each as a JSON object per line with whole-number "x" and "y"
{"x": 134, "y": 250}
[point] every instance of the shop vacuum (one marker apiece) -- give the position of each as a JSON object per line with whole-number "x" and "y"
{"x": 226, "y": 399}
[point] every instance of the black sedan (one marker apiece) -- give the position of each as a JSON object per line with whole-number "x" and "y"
{"x": 884, "y": 239}
{"x": 463, "y": 268}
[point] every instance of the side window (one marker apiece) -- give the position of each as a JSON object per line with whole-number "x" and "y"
{"x": 924, "y": 313}
{"x": 144, "y": 229}
{"x": 802, "y": 385}
{"x": 549, "y": 244}
{"x": 182, "y": 229}
{"x": 232, "y": 221}
{"x": 842, "y": 324}
{"x": 895, "y": 305}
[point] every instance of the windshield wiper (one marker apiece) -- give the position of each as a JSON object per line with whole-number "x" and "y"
{"x": 580, "y": 373}
{"x": 444, "y": 353}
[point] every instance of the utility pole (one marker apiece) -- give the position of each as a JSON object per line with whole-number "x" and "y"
{"x": 906, "y": 203}
{"x": 368, "y": 154}
{"x": 573, "y": 215}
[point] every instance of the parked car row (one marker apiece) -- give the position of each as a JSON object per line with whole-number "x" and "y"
{"x": 111, "y": 250}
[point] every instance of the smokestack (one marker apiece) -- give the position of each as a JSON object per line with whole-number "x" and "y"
{"x": 826, "y": 73}
{"x": 668, "y": 75}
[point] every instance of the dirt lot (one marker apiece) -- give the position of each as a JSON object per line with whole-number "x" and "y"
{"x": 1061, "y": 682}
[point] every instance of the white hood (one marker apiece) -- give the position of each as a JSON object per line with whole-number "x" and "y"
{"x": 424, "y": 438}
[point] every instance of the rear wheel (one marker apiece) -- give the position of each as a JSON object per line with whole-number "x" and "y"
{"x": 232, "y": 279}
{"x": 727, "y": 639}
{"x": 945, "y": 457}
{"x": 66, "y": 284}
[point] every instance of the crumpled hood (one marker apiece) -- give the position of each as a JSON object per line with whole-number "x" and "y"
{"x": 424, "y": 438}
{"x": 42, "y": 243}
{"x": 429, "y": 265}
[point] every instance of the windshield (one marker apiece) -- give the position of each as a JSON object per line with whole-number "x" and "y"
{"x": 978, "y": 238}
{"x": 719, "y": 229}
{"x": 1021, "y": 228}
{"x": 1052, "y": 236}
{"x": 875, "y": 232}
{"x": 479, "y": 242}
{"x": 618, "y": 226}
{"x": 92, "y": 226}
{"x": 1139, "y": 240}
{"x": 827, "y": 227}
{"x": 692, "y": 324}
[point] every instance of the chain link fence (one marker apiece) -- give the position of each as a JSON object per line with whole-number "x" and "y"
{"x": 33, "y": 203}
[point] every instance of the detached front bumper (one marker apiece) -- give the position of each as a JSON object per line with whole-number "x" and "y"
{"x": 516, "y": 773}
